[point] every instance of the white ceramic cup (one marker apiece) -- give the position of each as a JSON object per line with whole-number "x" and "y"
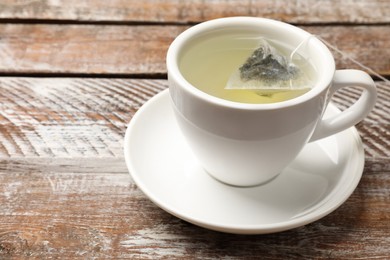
{"x": 248, "y": 144}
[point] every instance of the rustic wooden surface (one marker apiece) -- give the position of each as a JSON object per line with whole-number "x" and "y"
{"x": 72, "y": 75}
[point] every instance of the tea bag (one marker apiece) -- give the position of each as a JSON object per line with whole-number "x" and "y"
{"x": 267, "y": 71}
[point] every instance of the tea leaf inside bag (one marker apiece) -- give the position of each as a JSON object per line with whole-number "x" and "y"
{"x": 267, "y": 71}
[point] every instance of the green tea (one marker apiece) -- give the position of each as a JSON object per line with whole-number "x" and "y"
{"x": 209, "y": 62}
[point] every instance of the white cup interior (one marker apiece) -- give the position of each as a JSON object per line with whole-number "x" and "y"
{"x": 315, "y": 51}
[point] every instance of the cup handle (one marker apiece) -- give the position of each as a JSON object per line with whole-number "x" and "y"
{"x": 355, "y": 113}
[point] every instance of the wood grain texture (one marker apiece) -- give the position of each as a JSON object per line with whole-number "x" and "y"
{"x": 374, "y": 129}
{"x": 301, "y": 11}
{"x": 68, "y": 117}
{"x": 87, "y": 209}
{"x": 84, "y": 49}
{"x": 65, "y": 192}
{"x": 90, "y": 213}
{"x": 97, "y": 49}
{"x": 63, "y": 117}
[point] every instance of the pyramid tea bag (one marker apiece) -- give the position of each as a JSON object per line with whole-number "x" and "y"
{"x": 266, "y": 71}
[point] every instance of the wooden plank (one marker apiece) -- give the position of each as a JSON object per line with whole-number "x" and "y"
{"x": 78, "y": 117}
{"x": 81, "y": 210}
{"x": 84, "y": 49}
{"x": 301, "y": 11}
{"x": 142, "y": 49}
{"x": 347, "y": 51}
{"x": 65, "y": 191}
{"x": 375, "y": 128}
{"x": 69, "y": 117}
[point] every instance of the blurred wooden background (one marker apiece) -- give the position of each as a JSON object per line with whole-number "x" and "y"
{"x": 72, "y": 75}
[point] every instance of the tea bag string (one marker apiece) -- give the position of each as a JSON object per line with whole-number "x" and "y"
{"x": 305, "y": 41}
{"x": 344, "y": 55}
{"x": 290, "y": 61}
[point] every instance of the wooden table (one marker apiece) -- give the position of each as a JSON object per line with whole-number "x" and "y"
{"x": 72, "y": 75}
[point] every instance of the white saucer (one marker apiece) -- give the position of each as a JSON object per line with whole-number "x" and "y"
{"x": 319, "y": 180}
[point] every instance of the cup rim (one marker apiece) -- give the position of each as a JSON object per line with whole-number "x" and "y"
{"x": 172, "y": 61}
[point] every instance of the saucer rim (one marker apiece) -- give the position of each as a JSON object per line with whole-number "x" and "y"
{"x": 324, "y": 208}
